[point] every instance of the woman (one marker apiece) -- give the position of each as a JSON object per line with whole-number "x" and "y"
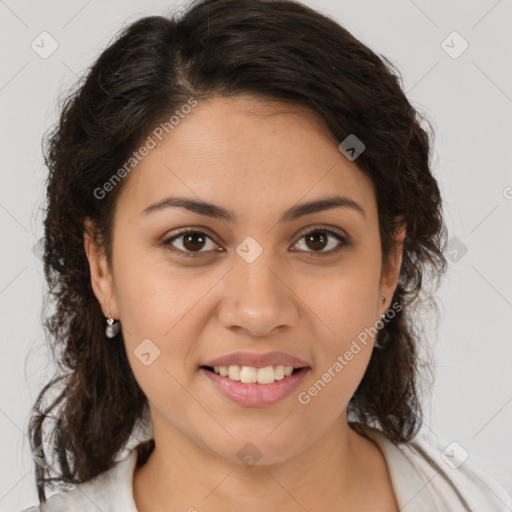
{"x": 241, "y": 213}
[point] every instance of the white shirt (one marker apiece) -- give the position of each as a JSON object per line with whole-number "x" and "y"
{"x": 418, "y": 487}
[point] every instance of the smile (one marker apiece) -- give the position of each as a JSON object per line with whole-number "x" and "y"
{"x": 255, "y": 387}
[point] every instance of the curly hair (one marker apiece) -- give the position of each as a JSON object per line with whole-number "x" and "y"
{"x": 277, "y": 50}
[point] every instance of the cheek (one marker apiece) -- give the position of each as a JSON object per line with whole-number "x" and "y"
{"x": 346, "y": 300}
{"x": 164, "y": 311}
{"x": 153, "y": 308}
{"x": 151, "y": 297}
{"x": 343, "y": 350}
{"x": 346, "y": 307}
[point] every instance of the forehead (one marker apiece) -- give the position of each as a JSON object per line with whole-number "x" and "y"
{"x": 256, "y": 156}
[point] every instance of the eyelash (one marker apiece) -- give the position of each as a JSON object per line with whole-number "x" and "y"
{"x": 167, "y": 243}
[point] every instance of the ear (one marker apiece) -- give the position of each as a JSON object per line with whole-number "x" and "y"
{"x": 390, "y": 274}
{"x": 101, "y": 277}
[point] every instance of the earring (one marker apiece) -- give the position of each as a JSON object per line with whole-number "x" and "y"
{"x": 376, "y": 344}
{"x": 113, "y": 326}
{"x": 383, "y": 299}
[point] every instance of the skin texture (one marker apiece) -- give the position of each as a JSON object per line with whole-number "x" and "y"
{"x": 257, "y": 159}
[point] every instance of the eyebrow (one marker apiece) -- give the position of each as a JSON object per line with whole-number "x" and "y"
{"x": 289, "y": 215}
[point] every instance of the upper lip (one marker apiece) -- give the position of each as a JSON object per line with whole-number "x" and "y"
{"x": 258, "y": 360}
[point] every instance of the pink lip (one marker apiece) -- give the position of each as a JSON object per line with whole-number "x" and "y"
{"x": 255, "y": 395}
{"x": 257, "y": 360}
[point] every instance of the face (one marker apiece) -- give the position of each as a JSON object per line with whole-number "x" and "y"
{"x": 266, "y": 280}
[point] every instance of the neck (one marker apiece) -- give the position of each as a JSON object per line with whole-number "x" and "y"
{"x": 180, "y": 474}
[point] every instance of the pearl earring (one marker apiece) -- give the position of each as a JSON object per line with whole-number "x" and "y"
{"x": 113, "y": 326}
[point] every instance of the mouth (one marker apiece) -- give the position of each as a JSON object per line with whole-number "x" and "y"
{"x": 254, "y": 387}
{"x": 253, "y": 375}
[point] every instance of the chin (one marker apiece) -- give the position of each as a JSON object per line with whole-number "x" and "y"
{"x": 255, "y": 447}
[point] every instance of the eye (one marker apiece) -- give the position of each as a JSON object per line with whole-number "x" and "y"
{"x": 318, "y": 239}
{"x": 191, "y": 243}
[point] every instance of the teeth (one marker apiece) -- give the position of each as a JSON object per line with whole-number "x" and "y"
{"x": 251, "y": 375}
{"x": 248, "y": 375}
{"x": 279, "y": 372}
{"x": 265, "y": 375}
{"x": 234, "y": 372}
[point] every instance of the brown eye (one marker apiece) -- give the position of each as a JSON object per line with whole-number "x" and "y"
{"x": 189, "y": 243}
{"x": 318, "y": 239}
{"x": 194, "y": 241}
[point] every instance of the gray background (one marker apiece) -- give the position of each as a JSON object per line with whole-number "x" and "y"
{"x": 469, "y": 100}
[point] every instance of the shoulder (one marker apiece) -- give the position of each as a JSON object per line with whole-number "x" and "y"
{"x": 111, "y": 487}
{"x": 481, "y": 485}
{"x": 444, "y": 475}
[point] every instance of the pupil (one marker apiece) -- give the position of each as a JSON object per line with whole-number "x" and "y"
{"x": 192, "y": 238}
{"x": 315, "y": 238}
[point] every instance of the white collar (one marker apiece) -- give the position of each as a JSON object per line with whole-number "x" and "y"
{"x": 416, "y": 485}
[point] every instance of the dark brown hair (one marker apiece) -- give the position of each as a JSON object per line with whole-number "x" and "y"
{"x": 277, "y": 50}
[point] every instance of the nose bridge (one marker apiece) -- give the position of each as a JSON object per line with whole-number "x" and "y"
{"x": 256, "y": 297}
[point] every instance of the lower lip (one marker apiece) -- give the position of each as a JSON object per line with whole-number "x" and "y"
{"x": 255, "y": 395}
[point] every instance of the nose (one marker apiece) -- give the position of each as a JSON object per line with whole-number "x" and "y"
{"x": 257, "y": 300}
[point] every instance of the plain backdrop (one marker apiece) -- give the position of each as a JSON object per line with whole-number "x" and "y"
{"x": 466, "y": 94}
